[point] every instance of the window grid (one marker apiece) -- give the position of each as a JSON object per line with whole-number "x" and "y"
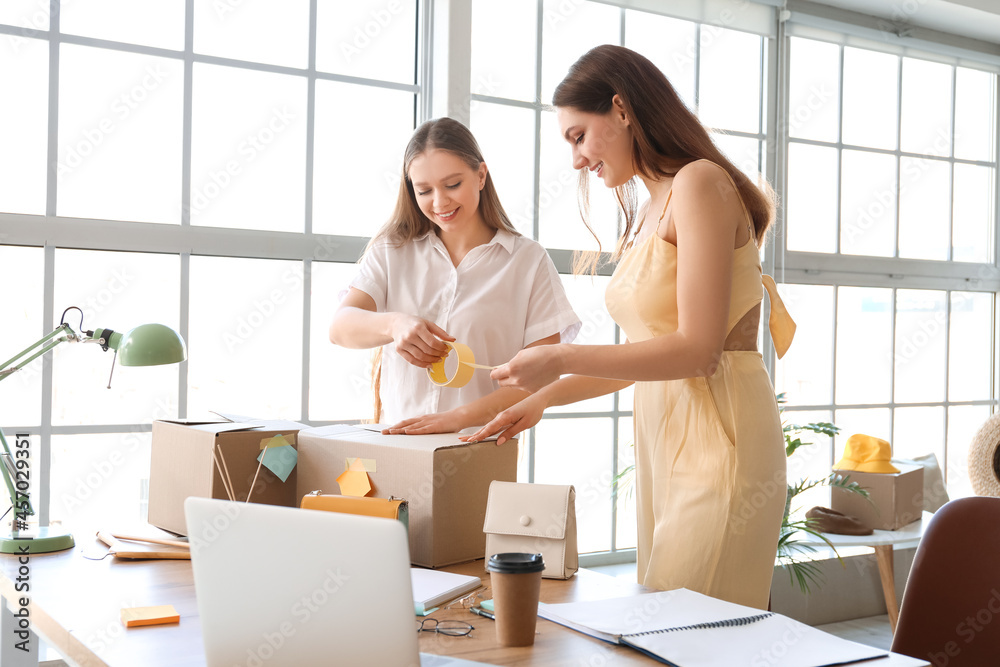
{"x": 100, "y": 230}
{"x": 876, "y": 263}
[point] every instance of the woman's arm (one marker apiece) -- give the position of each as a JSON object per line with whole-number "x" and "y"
{"x": 356, "y": 324}
{"x": 527, "y": 413}
{"x": 474, "y": 413}
{"x": 707, "y": 216}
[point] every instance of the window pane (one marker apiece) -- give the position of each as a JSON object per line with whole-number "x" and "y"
{"x": 868, "y": 203}
{"x": 493, "y": 24}
{"x": 918, "y": 431}
{"x": 926, "y": 113}
{"x": 870, "y": 421}
{"x": 811, "y": 207}
{"x": 625, "y": 537}
{"x": 569, "y": 30}
{"x": 25, "y": 14}
{"x": 340, "y": 382}
{"x": 743, "y": 152}
{"x": 924, "y": 208}
{"x": 119, "y": 291}
{"x": 356, "y": 172}
{"x": 248, "y": 149}
{"x": 670, "y": 43}
{"x": 805, "y": 373}
{"x": 586, "y": 295}
{"x": 506, "y": 136}
{"x": 921, "y": 338}
{"x": 810, "y": 461}
{"x": 870, "y": 91}
{"x": 973, "y": 213}
{"x": 21, "y": 394}
{"x": 100, "y": 480}
{"x": 814, "y": 84}
{"x": 559, "y": 223}
{"x": 975, "y": 114}
{"x": 372, "y": 39}
{"x": 24, "y": 76}
{"x": 246, "y": 349}
{"x": 268, "y": 31}
{"x": 119, "y": 135}
{"x": 157, "y": 23}
{"x": 964, "y": 421}
{"x": 864, "y": 334}
{"x": 729, "y": 90}
{"x": 970, "y": 345}
{"x": 578, "y": 452}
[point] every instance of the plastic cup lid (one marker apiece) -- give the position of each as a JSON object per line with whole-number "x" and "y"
{"x": 515, "y": 563}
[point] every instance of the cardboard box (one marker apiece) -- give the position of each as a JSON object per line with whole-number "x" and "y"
{"x": 446, "y": 482}
{"x": 898, "y": 498}
{"x": 182, "y": 464}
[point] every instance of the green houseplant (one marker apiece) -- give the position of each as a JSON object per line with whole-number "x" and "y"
{"x": 792, "y": 551}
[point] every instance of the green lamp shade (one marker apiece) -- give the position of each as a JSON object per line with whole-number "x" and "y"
{"x": 151, "y": 345}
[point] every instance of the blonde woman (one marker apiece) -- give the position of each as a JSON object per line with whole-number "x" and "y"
{"x": 449, "y": 265}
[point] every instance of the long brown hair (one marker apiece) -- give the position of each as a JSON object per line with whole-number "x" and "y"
{"x": 666, "y": 135}
{"x": 408, "y": 222}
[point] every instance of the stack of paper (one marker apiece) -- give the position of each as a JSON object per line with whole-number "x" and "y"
{"x": 688, "y": 629}
{"x": 431, "y": 588}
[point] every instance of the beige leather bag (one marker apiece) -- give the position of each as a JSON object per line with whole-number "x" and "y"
{"x": 534, "y": 518}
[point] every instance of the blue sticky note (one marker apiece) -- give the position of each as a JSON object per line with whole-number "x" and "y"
{"x": 280, "y": 460}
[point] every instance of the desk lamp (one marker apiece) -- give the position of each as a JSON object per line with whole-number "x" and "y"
{"x": 145, "y": 345}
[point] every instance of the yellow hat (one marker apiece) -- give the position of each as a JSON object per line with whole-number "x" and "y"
{"x": 864, "y": 453}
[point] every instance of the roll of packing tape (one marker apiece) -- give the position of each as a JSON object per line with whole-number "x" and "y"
{"x": 463, "y": 371}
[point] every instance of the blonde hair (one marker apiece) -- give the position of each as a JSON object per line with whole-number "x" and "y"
{"x": 408, "y": 222}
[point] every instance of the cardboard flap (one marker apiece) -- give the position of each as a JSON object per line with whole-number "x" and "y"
{"x": 534, "y": 510}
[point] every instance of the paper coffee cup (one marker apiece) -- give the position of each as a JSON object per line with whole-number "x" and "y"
{"x": 516, "y": 579}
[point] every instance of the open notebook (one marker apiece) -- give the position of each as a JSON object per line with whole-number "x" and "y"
{"x": 688, "y": 629}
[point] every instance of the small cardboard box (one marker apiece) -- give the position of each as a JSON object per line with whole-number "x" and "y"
{"x": 446, "y": 482}
{"x": 897, "y": 499}
{"x": 182, "y": 464}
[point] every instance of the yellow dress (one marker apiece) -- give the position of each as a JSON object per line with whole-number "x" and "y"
{"x": 709, "y": 452}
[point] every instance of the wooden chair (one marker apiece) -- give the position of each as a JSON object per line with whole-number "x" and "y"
{"x": 950, "y": 614}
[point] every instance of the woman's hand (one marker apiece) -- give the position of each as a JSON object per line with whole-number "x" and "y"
{"x": 419, "y": 341}
{"x": 441, "y": 422}
{"x": 532, "y": 368}
{"x": 518, "y": 417}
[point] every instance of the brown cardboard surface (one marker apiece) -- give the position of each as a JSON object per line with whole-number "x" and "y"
{"x": 446, "y": 482}
{"x": 898, "y": 498}
{"x": 182, "y": 465}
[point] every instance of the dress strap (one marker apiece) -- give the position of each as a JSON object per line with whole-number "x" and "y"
{"x": 670, "y": 193}
{"x": 780, "y": 323}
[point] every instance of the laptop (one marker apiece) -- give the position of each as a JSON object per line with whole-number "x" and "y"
{"x": 286, "y": 586}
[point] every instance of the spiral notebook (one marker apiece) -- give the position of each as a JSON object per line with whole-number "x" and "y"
{"x": 687, "y": 629}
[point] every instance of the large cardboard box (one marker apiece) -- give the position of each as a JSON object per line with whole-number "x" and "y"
{"x": 897, "y": 499}
{"x": 182, "y": 464}
{"x": 446, "y": 482}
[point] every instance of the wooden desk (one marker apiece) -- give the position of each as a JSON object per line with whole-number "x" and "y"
{"x": 76, "y": 604}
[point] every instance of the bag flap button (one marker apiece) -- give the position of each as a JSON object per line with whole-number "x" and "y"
{"x": 525, "y": 520}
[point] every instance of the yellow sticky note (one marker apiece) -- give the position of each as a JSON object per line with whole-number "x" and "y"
{"x": 277, "y": 441}
{"x": 361, "y": 465}
{"x": 354, "y": 483}
{"x": 133, "y": 616}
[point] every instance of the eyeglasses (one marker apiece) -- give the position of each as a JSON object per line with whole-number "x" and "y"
{"x": 450, "y": 628}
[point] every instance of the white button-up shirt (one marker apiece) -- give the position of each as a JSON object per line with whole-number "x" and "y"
{"x": 503, "y": 296}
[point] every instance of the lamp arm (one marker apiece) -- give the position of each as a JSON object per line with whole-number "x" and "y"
{"x": 17, "y": 362}
{"x": 7, "y": 457}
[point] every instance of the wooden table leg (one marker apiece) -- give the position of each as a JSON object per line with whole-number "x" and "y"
{"x": 883, "y": 553}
